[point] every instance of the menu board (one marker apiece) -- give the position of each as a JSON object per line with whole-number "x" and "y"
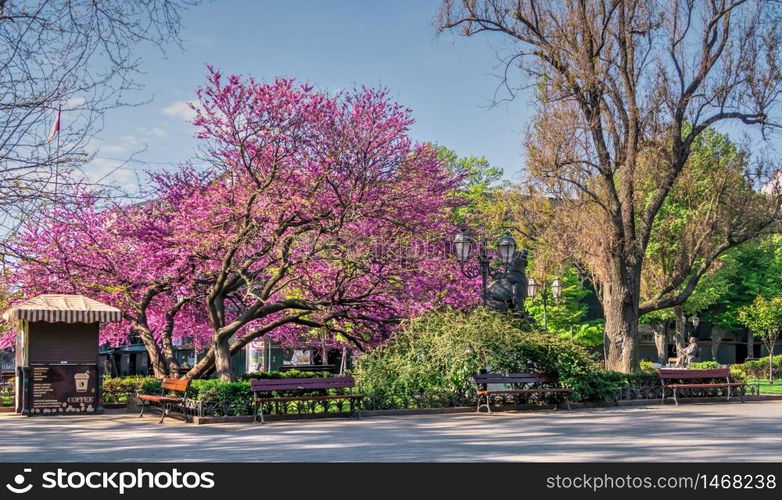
{"x": 62, "y": 389}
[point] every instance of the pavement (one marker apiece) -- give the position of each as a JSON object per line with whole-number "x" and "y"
{"x": 691, "y": 432}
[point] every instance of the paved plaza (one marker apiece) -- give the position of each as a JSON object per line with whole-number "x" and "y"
{"x": 691, "y": 432}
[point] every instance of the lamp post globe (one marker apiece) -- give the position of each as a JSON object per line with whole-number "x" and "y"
{"x": 556, "y": 288}
{"x": 532, "y": 288}
{"x": 462, "y": 246}
{"x": 507, "y": 248}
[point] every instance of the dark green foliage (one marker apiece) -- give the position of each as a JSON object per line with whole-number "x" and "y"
{"x": 758, "y": 368}
{"x": 229, "y": 398}
{"x": 435, "y": 356}
{"x": 119, "y": 389}
{"x": 286, "y": 374}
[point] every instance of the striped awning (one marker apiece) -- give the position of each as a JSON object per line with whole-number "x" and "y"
{"x": 57, "y": 308}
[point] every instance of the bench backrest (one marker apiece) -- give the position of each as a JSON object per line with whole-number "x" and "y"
{"x": 678, "y": 373}
{"x": 515, "y": 378}
{"x": 294, "y": 384}
{"x": 176, "y": 384}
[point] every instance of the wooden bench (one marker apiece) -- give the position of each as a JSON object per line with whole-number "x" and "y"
{"x": 315, "y": 384}
{"x": 521, "y": 383}
{"x": 164, "y": 399}
{"x": 682, "y": 375}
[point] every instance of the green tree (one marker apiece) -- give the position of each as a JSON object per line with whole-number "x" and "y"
{"x": 622, "y": 90}
{"x": 478, "y": 187}
{"x": 565, "y": 316}
{"x": 764, "y": 317}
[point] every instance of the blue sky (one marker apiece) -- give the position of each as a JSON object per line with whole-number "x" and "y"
{"x": 447, "y": 81}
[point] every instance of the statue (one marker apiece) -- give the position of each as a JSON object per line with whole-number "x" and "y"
{"x": 507, "y": 293}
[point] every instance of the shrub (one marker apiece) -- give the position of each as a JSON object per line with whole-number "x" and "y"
{"x": 758, "y": 368}
{"x": 236, "y": 398}
{"x": 286, "y": 374}
{"x": 704, "y": 365}
{"x": 647, "y": 366}
{"x": 231, "y": 398}
{"x": 434, "y": 357}
{"x": 118, "y": 389}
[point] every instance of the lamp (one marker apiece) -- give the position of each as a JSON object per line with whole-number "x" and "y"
{"x": 507, "y": 248}
{"x": 462, "y": 246}
{"x": 532, "y": 288}
{"x": 556, "y": 288}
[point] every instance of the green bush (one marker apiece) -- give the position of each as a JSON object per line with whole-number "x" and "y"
{"x": 647, "y": 366}
{"x": 118, "y": 389}
{"x": 758, "y": 368}
{"x": 704, "y": 365}
{"x": 236, "y": 398}
{"x": 286, "y": 374}
{"x": 231, "y": 398}
{"x": 434, "y": 357}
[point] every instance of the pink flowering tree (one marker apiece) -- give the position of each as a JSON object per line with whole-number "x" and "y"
{"x": 317, "y": 216}
{"x": 331, "y": 217}
{"x": 124, "y": 255}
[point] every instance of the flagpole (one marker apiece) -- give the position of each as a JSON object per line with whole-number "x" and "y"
{"x": 57, "y": 155}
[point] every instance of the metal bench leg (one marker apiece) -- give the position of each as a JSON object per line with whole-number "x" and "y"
{"x": 742, "y": 390}
{"x": 480, "y": 405}
{"x": 164, "y": 413}
{"x": 255, "y": 415}
{"x": 141, "y": 401}
{"x": 567, "y": 403}
{"x": 728, "y": 394}
{"x": 674, "y": 397}
{"x": 662, "y": 399}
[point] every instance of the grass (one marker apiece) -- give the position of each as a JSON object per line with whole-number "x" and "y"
{"x": 766, "y": 387}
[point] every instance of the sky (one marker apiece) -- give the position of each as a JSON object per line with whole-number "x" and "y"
{"x": 447, "y": 81}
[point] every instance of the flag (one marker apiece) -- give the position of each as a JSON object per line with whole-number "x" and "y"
{"x": 55, "y": 127}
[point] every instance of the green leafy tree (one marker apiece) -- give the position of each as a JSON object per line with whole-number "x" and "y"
{"x": 479, "y": 183}
{"x": 764, "y": 317}
{"x": 621, "y": 92}
{"x": 565, "y": 316}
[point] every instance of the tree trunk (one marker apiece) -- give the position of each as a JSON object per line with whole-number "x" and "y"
{"x": 680, "y": 333}
{"x": 661, "y": 342}
{"x": 621, "y": 327}
{"x": 222, "y": 360}
{"x": 716, "y": 340}
{"x": 750, "y": 345}
{"x": 171, "y": 362}
{"x": 155, "y": 359}
{"x": 203, "y": 367}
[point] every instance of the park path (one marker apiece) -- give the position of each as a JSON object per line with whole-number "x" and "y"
{"x": 691, "y": 432}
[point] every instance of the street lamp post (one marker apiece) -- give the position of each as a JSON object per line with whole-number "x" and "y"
{"x": 464, "y": 247}
{"x": 534, "y": 288}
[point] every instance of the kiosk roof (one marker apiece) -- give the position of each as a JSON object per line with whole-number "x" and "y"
{"x": 56, "y": 308}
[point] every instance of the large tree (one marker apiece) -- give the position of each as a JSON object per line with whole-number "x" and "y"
{"x": 624, "y": 89}
{"x": 764, "y": 318}
{"x": 317, "y": 215}
{"x": 326, "y": 209}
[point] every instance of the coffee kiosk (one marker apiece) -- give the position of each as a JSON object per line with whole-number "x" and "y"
{"x": 57, "y": 369}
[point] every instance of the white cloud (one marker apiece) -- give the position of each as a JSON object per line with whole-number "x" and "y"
{"x": 109, "y": 171}
{"x": 153, "y": 132}
{"x": 74, "y": 102}
{"x": 179, "y": 109}
{"x": 113, "y": 148}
